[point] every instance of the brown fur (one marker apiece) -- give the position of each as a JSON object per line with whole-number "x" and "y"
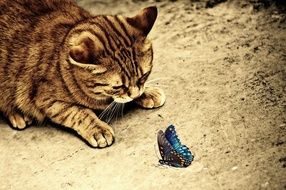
{"x": 59, "y": 62}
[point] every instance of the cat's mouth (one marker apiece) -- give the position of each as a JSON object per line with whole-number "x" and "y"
{"x": 123, "y": 100}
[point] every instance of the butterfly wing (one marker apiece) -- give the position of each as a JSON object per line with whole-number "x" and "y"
{"x": 164, "y": 146}
{"x": 168, "y": 154}
{"x": 172, "y": 137}
{"x": 182, "y": 150}
{"x": 186, "y": 154}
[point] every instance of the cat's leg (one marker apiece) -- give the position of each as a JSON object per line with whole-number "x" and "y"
{"x": 18, "y": 120}
{"x": 83, "y": 120}
{"x": 151, "y": 98}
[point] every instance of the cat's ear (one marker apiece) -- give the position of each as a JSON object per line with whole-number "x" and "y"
{"x": 83, "y": 52}
{"x": 145, "y": 20}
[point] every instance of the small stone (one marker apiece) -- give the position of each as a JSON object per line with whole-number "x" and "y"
{"x": 234, "y": 168}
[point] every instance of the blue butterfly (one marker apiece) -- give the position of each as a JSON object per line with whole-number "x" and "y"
{"x": 173, "y": 153}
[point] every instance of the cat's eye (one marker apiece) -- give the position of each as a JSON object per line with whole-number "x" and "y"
{"x": 143, "y": 79}
{"x": 118, "y": 87}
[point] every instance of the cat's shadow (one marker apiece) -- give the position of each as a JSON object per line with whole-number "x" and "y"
{"x": 3, "y": 120}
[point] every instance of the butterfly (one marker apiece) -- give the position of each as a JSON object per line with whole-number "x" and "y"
{"x": 173, "y": 153}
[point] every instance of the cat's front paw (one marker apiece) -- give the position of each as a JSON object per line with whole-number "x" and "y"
{"x": 151, "y": 98}
{"x": 101, "y": 135}
{"x": 19, "y": 121}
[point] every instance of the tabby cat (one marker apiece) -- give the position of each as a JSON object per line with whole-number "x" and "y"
{"x": 59, "y": 62}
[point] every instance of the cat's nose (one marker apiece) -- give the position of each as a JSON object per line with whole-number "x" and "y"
{"x": 134, "y": 92}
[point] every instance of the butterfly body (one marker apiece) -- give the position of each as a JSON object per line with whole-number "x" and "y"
{"x": 173, "y": 153}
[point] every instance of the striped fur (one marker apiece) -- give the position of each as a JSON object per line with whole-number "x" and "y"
{"x": 58, "y": 61}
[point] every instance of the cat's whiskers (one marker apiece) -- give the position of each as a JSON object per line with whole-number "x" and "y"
{"x": 106, "y": 110}
{"x": 112, "y": 112}
{"x": 122, "y": 110}
{"x": 109, "y": 114}
{"x": 118, "y": 110}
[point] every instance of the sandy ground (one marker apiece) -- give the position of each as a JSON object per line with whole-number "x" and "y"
{"x": 224, "y": 74}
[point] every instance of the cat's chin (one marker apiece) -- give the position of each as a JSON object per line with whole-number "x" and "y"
{"x": 123, "y": 100}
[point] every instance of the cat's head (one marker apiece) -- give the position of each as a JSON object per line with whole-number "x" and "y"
{"x": 112, "y": 56}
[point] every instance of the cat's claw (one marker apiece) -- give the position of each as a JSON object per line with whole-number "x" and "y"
{"x": 151, "y": 98}
{"x": 19, "y": 121}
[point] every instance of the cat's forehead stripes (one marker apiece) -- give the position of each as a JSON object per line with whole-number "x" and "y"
{"x": 109, "y": 39}
{"x": 117, "y": 29}
{"x": 111, "y": 30}
{"x": 120, "y": 29}
{"x": 112, "y": 41}
{"x": 120, "y": 62}
{"x": 125, "y": 53}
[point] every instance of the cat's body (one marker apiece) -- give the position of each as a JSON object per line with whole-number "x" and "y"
{"x": 59, "y": 62}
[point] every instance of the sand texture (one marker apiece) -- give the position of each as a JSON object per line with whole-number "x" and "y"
{"x": 223, "y": 69}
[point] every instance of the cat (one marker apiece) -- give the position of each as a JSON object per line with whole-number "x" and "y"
{"x": 59, "y": 62}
